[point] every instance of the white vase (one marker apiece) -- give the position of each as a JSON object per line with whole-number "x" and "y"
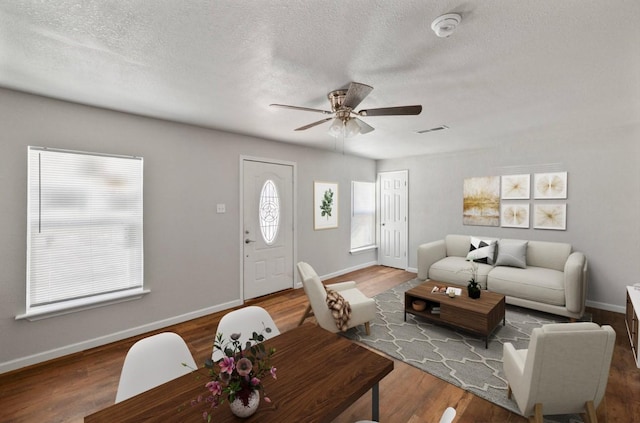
{"x": 241, "y": 410}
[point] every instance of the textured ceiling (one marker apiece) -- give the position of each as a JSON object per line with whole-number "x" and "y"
{"x": 513, "y": 70}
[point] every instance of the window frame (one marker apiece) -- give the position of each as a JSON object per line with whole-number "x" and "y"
{"x": 356, "y": 186}
{"x": 78, "y": 228}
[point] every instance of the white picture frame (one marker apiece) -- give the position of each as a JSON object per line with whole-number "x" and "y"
{"x": 514, "y": 215}
{"x": 325, "y": 205}
{"x": 550, "y": 216}
{"x": 515, "y": 187}
{"x": 550, "y": 185}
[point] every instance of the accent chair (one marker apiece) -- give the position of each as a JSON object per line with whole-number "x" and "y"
{"x": 363, "y": 308}
{"x": 564, "y": 371}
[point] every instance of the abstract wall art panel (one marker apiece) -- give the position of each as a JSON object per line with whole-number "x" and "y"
{"x": 550, "y": 185}
{"x": 515, "y": 187}
{"x": 514, "y": 215}
{"x": 550, "y": 216}
{"x": 481, "y": 201}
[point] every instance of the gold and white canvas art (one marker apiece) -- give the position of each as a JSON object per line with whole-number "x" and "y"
{"x": 550, "y": 216}
{"x": 550, "y": 185}
{"x": 481, "y": 201}
{"x": 514, "y": 215}
{"x": 516, "y": 187}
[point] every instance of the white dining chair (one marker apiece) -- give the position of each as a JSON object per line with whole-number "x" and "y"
{"x": 245, "y": 321}
{"x": 447, "y": 417}
{"x": 153, "y": 361}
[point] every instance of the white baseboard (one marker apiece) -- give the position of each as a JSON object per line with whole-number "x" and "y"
{"x": 350, "y": 269}
{"x": 117, "y": 336}
{"x": 412, "y": 269}
{"x": 41, "y": 357}
{"x": 607, "y": 307}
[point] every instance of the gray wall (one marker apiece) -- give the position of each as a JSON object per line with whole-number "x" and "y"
{"x": 192, "y": 254}
{"x": 603, "y": 201}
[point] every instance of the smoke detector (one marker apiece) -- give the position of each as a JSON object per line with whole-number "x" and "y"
{"x": 444, "y": 25}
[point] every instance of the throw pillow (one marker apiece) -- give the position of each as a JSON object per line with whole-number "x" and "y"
{"x": 482, "y": 250}
{"x": 512, "y": 252}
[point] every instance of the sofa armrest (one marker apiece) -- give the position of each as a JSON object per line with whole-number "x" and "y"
{"x": 341, "y": 286}
{"x": 575, "y": 282}
{"x": 428, "y": 254}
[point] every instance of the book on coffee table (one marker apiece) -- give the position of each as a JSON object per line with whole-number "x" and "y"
{"x": 456, "y": 291}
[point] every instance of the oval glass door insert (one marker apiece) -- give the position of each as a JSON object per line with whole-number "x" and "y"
{"x": 269, "y": 209}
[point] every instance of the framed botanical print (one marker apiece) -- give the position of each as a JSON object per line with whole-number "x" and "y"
{"x": 325, "y": 205}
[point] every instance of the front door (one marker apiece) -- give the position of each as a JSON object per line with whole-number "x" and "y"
{"x": 267, "y": 234}
{"x": 393, "y": 219}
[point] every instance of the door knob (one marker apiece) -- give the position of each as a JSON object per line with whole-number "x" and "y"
{"x": 246, "y": 241}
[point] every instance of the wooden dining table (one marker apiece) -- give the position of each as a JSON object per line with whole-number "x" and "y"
{"x": 319, "y": 375}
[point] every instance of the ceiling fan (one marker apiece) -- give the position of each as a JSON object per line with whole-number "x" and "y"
{"x": 345, "y": 120}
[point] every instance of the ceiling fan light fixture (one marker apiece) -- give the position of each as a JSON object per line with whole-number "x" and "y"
{"x": 336, "y": 128}
{"x": 343, "y": 102}
{"x": 445, "y": 25}
{"x": 351, "y": 128}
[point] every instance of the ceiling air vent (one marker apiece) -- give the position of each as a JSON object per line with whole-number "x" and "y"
{"x": 437, "y": 128}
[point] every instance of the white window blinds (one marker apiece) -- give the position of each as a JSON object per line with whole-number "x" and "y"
{"x": 84, "y": 232}
{"x": 363, "y": 215}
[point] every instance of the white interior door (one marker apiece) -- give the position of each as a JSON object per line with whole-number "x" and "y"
{"x": 267, "y": 235}
{"x": 393, "y": 219}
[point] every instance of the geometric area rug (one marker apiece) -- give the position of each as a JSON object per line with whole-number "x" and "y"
{"x": 454, "y": 356}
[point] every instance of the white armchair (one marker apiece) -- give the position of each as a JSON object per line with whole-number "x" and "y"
{"x": 564, "y": 371}
{"x": 363, "y": 308}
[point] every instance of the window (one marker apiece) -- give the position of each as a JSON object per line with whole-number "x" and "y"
{"x": 84, "y": 230}
{"x": 269, "y": 210}
{"x": 363, "y": 215}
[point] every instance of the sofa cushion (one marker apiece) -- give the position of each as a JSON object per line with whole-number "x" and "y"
{"x": 552, "y": 255}
{"x": 533, "y": 283}
{"x": 457, "y": 245}
{"x": 457, "y": 270}
{"x": 482, "y": 250}
{"x": 512, "y": 252}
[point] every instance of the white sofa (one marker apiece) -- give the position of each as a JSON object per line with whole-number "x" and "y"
{"x": 553, "y": 279}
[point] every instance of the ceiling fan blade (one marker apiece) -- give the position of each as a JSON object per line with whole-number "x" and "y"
{"x": 364, "y": 127}
{"x": 306, "y": 109}
{"x": 390, "y": 111}
{"x": 311, "y": 125}
{"x": 355, "y": 94}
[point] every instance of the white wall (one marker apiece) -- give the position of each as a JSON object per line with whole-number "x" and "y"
{"x": 192, "y": 254}
{"x": 603, "y": 204}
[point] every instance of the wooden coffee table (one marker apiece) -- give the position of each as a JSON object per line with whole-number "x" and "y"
{"x": 479, "y": 317}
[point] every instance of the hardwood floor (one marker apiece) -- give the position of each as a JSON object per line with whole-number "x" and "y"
{"x": 67, "y": 389}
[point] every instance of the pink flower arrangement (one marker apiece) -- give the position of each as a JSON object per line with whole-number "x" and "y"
{"x": 239, "y": 373}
